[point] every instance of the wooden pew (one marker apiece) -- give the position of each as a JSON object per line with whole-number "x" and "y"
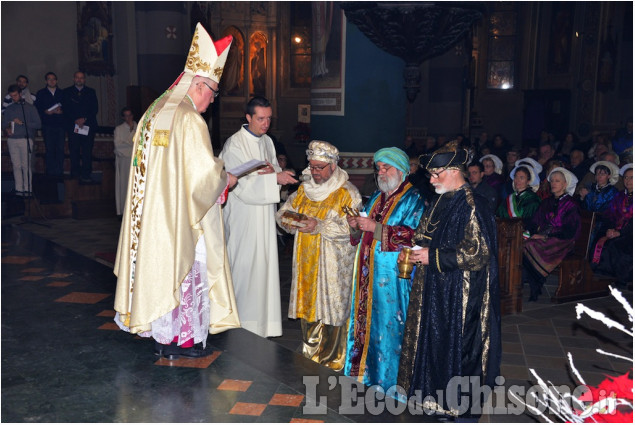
{"x": 510, "y": 256}
{"x": 575, "y": 277}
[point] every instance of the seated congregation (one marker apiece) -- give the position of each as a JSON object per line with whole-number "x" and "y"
{"x": 568, "y": 205}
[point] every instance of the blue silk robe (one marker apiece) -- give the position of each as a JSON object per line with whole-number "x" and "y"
{"x": 598, "y": 200}
{"x": 379, "y": 300}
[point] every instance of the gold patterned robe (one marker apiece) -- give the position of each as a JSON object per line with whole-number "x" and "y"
{"x": 322, "y": 260}
{"x": 322, "y": 267}
{"x": 171, "y": 201}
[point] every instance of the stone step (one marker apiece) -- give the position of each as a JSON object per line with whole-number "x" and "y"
{"x": 83, "y": 210}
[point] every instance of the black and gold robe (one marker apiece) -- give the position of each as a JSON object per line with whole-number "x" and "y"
{"x": 453, "y": 322}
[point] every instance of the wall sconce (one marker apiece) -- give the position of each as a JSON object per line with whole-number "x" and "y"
{"x": 297, "y": 39}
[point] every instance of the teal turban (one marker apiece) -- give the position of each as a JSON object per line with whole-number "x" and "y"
{"x": 395, "y": 157}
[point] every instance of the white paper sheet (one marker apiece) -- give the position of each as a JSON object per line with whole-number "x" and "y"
{"x": 83, "y": 130}
{"x": 247, "y": 167}
{"x": 54, "y": 107}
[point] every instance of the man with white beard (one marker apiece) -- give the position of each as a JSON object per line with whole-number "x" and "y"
{"x": 322, "y": 254}
{"x": 379, "y": 297}
{"x": 453, "y": 326}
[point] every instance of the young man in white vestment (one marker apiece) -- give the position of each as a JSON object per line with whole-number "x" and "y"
{"x": 250, "y": 222}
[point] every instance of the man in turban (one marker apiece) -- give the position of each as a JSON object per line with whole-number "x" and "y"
{"x": 174, "y": 283}
{"x": 322, "y": 255}
{"x": 453, "y": 329}
{"x": 379, "y": 296}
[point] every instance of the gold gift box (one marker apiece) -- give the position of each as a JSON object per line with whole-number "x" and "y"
{"x": 291, "y": 218}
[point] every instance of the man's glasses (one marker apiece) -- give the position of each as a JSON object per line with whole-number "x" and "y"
{"x": 435, "y": 175}
{"x": 216, "y": 92}
{"x": 317, "y": 167}
{"x": 384, "y": 167}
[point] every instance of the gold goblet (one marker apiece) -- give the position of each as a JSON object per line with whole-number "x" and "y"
{"x": 405, "y": 266}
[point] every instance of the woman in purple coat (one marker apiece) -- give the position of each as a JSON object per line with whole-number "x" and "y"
{"x": 493, "y": 167}
{"x": 554, "y": 228}
{"x": 613, "y": 253}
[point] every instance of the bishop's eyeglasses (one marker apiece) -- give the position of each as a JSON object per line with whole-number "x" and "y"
{"x": 216, "y": 92}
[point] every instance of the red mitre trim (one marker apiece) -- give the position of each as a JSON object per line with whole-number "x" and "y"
{"x": 222, "y": 44}
{"x": 177, "y": 80}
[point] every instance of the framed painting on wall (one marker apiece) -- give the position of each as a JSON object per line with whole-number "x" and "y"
{"x": 304, "y": 113}
{"x": 94, "y": 37}
{"x": 258, "y": 65}
{"x": 234, "y": 71}
{"x": 328, "y": 59}
{"x": 560, "y": 37}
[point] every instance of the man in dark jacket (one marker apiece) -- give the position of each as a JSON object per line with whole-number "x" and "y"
{"x": 80, "y": 111}
{"x": 475, "y": 173}
{"x": 49, "y": 104}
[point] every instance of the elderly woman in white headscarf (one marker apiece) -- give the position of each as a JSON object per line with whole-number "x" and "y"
{"x": 493, "y": 168}
{"x": 598, "y": 196}
{"x": 554, "y": 229}
{"x": 613, "y": 253}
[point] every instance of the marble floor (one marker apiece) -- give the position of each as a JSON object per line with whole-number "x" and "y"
{"x": 64, "y": 359}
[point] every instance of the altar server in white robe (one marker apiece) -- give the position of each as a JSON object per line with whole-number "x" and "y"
{"x": 250, "y": 223}
{"x": 124, "y": 143}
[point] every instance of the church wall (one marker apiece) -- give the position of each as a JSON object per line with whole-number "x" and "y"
{"x": 376, "y": 112}
{"x": 559, "y": 63}
{"x": 160, "y": 57}
{"x": 500, "y": 111}
{"x": 375, "y": 102}
{"x": 125, "y": 51}
{"x": 437, "y": 109}
{"x": 49, "y": 43}
{"x": 38, "y": 37}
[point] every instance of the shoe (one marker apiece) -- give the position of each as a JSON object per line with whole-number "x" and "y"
{"x": 159, "y": 348}
{"x": 173, "y": 352}
{"x": 533, "y": 296}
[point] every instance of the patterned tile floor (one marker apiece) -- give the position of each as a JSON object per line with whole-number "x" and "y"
{"x": 64, "y": 360}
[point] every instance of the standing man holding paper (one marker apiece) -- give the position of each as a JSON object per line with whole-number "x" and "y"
{"x": 250, "y": 222}
{"x": 49, "y": 105}
{"x": 80, "y": 110}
